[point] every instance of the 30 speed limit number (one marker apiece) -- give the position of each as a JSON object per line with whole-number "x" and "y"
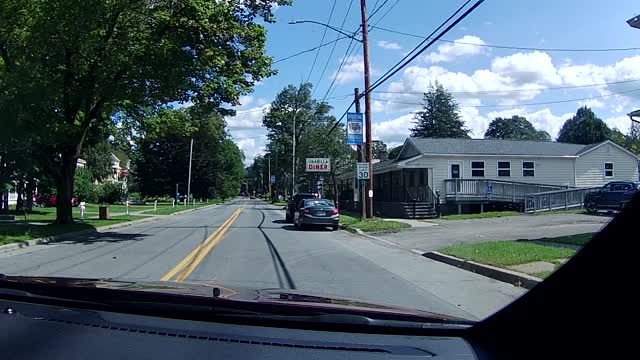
{"x": 363, "y": 171}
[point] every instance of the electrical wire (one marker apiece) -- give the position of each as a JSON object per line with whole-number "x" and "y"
{"x": 309, "y": 50}
{"x": 324, "y": 33}
{"x": 326, "y": 64}
{"x": 488, "y": 92}
{"x": 509, "y": 47}
{"x": 386, "y": 12}
{"x": 523, "y": 104}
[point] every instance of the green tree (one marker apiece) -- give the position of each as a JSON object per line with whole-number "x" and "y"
{"x": 378, "y": 148}
{"x": 632, "y": 140}
{"x": 98, "y": 158}
{"x": 68, "y": 66}
{"x": 584, "y": 128}
{"x": 439, "y": 116}
{"x": 393, "y": 153}
{"x": 514, "y": 128}
{"x": 85, "y": 190}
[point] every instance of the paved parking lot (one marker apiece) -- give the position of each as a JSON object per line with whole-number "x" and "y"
{"x": 449, "y": 232}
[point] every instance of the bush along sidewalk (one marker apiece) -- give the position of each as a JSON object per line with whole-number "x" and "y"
{"x": 351, "y": 221}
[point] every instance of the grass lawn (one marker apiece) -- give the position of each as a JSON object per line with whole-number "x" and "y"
{"x": 485, "y": 215}
{"x": 575, "y": 211}
{"x": 20, "y": 231}
{"x": 507, "y": 253}
{"x": 280, "y": 203}
{"x": 578, "y": 239}
{"x": 166, "y": 210}
{"x": 370, "y": 225}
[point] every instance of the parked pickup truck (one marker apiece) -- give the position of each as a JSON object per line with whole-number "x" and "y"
{"x": 613, "y": 196}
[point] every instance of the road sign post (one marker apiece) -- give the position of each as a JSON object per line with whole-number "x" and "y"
{"x": 362, "y": 171}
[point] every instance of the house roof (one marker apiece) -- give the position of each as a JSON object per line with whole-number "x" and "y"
{"x": 495, "y": 147}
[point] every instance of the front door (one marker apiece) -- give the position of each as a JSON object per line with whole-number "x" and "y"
{"x": 455, "y": 172}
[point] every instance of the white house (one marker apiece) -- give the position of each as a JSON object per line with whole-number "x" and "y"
{"x": 477, "y": 173}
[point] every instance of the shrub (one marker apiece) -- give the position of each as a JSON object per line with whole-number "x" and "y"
{"x": 85, "y": 190}
{"x": 110, "y": 193}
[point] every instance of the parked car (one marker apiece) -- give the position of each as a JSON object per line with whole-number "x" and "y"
{"x": 294, "y": 204}
{"x": 52, "y": 200}
{"x": 320, "y": 212}
{"x": 613, "y": 196}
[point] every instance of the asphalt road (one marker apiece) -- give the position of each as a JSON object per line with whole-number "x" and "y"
{"x": 246, "y": 243}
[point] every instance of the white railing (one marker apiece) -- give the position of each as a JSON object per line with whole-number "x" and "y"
{"x": 496, "y": 190}
{"x": 556, "y": 200}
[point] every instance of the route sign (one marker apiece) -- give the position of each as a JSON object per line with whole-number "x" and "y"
{"x": 363, "y": 170}
{"x": 273, "y": 179}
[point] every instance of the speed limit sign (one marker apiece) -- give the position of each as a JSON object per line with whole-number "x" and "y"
{"x": 363, "y": 171}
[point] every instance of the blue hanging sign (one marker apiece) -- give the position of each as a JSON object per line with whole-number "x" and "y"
{"x": 355, "y": 129}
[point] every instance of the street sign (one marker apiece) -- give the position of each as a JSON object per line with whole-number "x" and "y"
{"x": 273, "y": 179}
{"x": 318, "y": 165}
{"x": 363, "y": 171}
{"x": 355, "y": 129}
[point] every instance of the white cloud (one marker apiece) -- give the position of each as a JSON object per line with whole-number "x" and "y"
{"x": 450, "y": 51}
{"x": 592, "y": 103}
{"x": 247, "y": 119}
{"x": 393, "y": 131}
{"x": 622, "y": 123}
{"x": 245, "y": 101}
{"x": 389, "y": 45}
{"x": 353, "y": 69}
{"x": 251, "y": 143}
{"x": 623, "y": 70}
{"x": 527, "y": 68}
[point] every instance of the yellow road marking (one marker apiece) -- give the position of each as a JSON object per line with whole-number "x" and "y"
{"x": 199, "y": 248}
{"x": 201, "y": 255}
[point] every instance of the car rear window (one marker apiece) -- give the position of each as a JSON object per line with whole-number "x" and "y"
{"x": 318, "y": 203}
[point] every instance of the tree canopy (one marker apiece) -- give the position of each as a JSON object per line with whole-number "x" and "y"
{"x": 67, "y": 67}
{"x": 514, "y": 128}
{"x": 584, "y": 128}
{"x": 439, "y": 116}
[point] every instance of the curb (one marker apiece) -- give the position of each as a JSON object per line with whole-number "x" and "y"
{"x": 508, "y": 276}
{"x": 60, "y": 237}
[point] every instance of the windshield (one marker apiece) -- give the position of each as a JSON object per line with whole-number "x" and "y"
{"x": 176, "y": 142}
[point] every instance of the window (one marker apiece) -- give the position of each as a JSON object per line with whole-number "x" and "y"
{"x": 477, "y": 169}
{"x": 528, "y": 168}
{"x": 608, "y": 169}
{"x": 622, "y": 187}
{"x": 504, "y": 168}
{"x": 608, "y": 187}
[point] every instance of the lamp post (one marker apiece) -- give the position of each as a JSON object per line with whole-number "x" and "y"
{"x": 634, "y": 116}
{"x": 634, "y": 22}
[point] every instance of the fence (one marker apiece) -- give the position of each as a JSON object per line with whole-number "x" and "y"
{"x": 556, "y": 200}
{"x": 493, "y": 190}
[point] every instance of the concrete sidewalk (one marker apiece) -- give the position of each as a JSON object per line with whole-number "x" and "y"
{"x": 450, "y": 232}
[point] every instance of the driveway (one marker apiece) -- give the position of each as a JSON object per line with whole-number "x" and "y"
{"x": 448, "y": 232}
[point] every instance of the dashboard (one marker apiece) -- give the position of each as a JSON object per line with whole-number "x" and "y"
{"x": 36, "y": 331}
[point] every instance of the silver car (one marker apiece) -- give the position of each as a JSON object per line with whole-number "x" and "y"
{"x": 320, "y": 212}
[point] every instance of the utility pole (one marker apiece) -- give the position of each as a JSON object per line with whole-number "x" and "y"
{"x": 367, "y": 104}
{"x": 363, "y": 204}
{"x": 189, "y": 181}
{"x": 293, "y": 160}
{"x": 270, "y": 193}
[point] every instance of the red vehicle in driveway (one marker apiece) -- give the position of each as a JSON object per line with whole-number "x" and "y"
{"x": 52, "y": 200}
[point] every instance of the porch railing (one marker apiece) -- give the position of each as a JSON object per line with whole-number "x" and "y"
{"x": 493, "y": 190}
{"x": 556, "y": 200}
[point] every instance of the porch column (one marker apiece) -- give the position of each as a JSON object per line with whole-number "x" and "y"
{"x": 404, "y": 187}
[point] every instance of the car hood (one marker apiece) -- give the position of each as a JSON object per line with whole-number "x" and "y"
{"x": 286, "y": 297}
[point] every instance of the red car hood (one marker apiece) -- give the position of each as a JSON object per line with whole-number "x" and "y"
{"x": 285, "y": 297}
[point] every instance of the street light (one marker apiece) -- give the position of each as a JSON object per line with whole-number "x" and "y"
{"x": 634, "y": 22}
{"x": 634, "y": 114}
{"x": 352, "y": 36}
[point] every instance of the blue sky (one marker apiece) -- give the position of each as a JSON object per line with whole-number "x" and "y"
{"x": 486, "y": 81}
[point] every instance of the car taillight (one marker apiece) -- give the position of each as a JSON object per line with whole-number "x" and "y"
{"x": 336, "y": 212}
{"x": 306, "y": 211}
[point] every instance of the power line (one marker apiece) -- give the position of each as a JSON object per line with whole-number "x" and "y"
{"x": 324, "y": 33}
{"x": 509, "y": 47}
{"x": 525, "y": 104}
{"x": 386, "y": 12}
{"x": 326, "y": 64}
{"x": 481, "y": 92}
{"x": 377, "y": 9}
{"x": 310, "y": 50}
{"x": 404, "y": 61}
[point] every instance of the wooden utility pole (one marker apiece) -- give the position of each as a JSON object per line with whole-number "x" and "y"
{"x": 363, "y": 203}
{"x": 367, "y": 106}
{"x": 270, "y": 193}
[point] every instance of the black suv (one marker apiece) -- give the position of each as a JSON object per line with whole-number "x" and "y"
{"x": 294, "y": 203}
{"x": 613, "y": 196}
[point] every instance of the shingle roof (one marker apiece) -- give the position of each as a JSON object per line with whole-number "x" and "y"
{"x": 496, "y": 147}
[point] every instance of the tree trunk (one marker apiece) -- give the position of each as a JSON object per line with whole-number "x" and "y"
{"x": 5, "y": 202}
{"x": 19, "y": 191}
{"x": 30, "y": 190}
{"x": 64, "y": 185}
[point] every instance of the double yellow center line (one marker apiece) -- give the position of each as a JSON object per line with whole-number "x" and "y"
{"x": 189, "y": 263}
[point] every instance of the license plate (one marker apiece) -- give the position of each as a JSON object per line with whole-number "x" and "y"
{"x": 321, "y": 213}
